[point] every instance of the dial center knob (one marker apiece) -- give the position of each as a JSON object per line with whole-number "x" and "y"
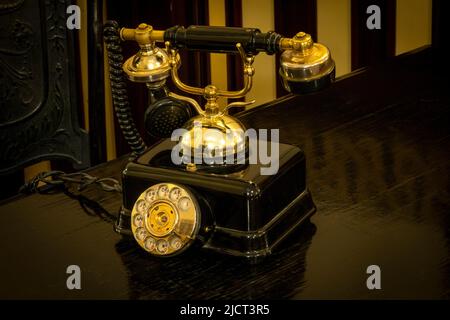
{"x": 161, "y": 219}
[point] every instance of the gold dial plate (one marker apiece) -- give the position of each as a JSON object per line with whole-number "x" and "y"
{"x": 165, "y": 219}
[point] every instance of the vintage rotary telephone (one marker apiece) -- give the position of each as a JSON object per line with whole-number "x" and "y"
{"x": 229, "y": 206}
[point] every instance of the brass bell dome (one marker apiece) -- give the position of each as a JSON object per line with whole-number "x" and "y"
{"x": 217, "y": 140}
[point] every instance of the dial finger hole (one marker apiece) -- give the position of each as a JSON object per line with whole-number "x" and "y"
{"x": 163, "y": 191}
{"x": 184, "y": 203}
{"x": 150, "y": 196}
{"x": 150, "y": 244}
{"x": 141, "y": 234}
{"x": 175, "y": 194}
{"x": 162, "y": 246}
{"x": 138, "y": 220}
{"x": 176, "y": 243}
{"x": 141, "y": 206}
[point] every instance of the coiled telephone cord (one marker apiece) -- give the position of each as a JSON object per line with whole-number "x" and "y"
{"x": 119, "y": 88}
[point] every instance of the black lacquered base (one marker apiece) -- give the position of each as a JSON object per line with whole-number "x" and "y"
{"x": 255, "y": 244}
{"x": 244, "y": 213}
{"x": 123, "y": 222}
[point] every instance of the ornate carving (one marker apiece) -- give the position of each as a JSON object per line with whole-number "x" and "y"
{"x": 16, "y": 74}
{"x": 20, "y": 37}
{"x": 49, "y": 129}
{"x": 11, "y": 5}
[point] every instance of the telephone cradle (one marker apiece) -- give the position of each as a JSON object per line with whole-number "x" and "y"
{"x": 239, "y": 212}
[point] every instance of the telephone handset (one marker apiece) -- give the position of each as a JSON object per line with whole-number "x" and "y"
{"x": 204, "y": 188}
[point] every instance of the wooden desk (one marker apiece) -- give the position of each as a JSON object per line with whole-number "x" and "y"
{"x": 377, "y": 146}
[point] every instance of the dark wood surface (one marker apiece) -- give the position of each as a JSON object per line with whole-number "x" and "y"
{"x": 377, "y": 147}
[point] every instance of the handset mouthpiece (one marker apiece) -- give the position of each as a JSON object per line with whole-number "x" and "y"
{"x": 305, "y": 66}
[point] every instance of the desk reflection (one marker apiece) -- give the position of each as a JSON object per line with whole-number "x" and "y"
{"x": 201, "y": 274}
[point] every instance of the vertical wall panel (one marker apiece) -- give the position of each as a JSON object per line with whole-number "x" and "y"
{"x": 292, "y": 16}
{"x": 233, "y": 18}
{"x": 260, "y": 14}
{"x": 82, "y": 42}
{"x": 111, "y": 152}
{"x": 370, "y": 46}
{"x": 413, "y": 24}
{"x": 218, "y": 61}
{"x": 333, "y": 30}
{"x": 97, "y": 133}
{"x": 440, "y": 30}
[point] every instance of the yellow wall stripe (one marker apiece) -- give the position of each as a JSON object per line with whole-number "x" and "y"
{"x": 334, "y": 31}
{"x": 82, "y": 41}
{"x": 218, "y": 61}
{"x": 109, "y": 109}
{"x": 413, "y": 24}
{"x": 260, "y": 14}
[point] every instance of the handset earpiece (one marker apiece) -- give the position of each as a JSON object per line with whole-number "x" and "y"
{"x": 151, "y": 65}
{"x": 165, "y": 115}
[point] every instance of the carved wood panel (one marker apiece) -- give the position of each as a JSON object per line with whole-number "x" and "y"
{"x": 38, "y": 99}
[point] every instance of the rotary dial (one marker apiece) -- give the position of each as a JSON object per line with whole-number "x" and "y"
{"x": 165, "y": 219}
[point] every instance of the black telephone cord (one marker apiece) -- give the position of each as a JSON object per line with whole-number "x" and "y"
{"x": 119, "y": 88}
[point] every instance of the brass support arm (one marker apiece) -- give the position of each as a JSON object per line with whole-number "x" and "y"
{"x": 249, "y": 71}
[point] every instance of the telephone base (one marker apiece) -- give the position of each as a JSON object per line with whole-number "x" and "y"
{"x": 244, "y": 213}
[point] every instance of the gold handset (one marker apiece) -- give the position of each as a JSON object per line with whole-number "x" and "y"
{"x": 167, "y": 217}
